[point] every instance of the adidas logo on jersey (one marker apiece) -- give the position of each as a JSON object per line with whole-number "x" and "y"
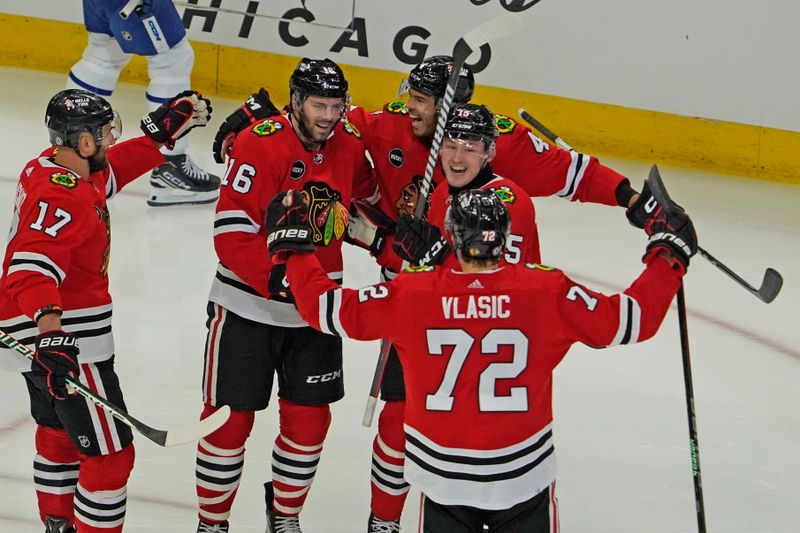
{"x": 476, "y": 285}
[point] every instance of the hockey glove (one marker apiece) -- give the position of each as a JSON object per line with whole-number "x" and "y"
{"x": 672, "y": 231}
{"x": 173, "y": 119}
{"x": 643, "y": 209}
{"x": 257, "y": 107}
{"x": 55, "y": 359}
{"x": 419, "y": 243}
{"x": 368, "y": 226}
{"x": 287, "y": 226}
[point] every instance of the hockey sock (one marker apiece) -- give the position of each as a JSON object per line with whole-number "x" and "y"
{"x": 220, "y": 460}
{"x": 101, "y": 495}
{"x": 55, "y": 472}
{"x": 388, "y": 486}
{"x": 296, "y": 453}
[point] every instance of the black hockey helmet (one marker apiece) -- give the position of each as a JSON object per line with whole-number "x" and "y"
{"x": 318, "y": 77}
{"x": 74, "y": 111}
{"x": 471, "y": 122}
{"x": 478, "y": 221}
{"x": 430, "y": 77}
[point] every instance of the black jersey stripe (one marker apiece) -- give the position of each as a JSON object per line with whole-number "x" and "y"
{"x": 330, "y": 304}
{"x": 628, "y": 321}
{"x": 236, "y": 284}
{"x": 41, "y": 264}
{"x": 488, "y": 461}
{"x": 483, "y": 478}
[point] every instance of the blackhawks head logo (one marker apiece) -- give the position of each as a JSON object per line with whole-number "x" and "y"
{"x": 326, "y": 214}
{"x": 407, "y": 202}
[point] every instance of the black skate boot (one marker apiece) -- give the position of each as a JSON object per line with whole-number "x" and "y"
{"x": 56, "y": 524}
{"x": 203, "y": 527}
{"x": 277, "y": 523}
{"x": 376, "y": 525}
{"x": 181, "y": 181}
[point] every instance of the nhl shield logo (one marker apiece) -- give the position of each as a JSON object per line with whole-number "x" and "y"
{"x": 84, "y": 441}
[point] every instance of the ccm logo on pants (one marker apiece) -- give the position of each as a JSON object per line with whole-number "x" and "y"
{"x": 330, "y": 376}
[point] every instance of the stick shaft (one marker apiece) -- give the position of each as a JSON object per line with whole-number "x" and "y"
{"x": 694, "y": 447}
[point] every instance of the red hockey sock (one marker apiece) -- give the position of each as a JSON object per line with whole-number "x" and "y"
{"x": 296, "y": 453}
{"x": 101, "y": 495}
{"x": 55, "y": 472}
{"x": 388, "y": 486}
{"x": 220, "y": 460}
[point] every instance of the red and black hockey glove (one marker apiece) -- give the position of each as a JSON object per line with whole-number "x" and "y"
{"x": 257, "y": 107}
{"x": 55, "y": 359}
{"x": 643, "y": 209}
{"x": 368, "y": 226}
{"x": 672, "y": 231}
{"x": 287, "y": 226}
{"x": 173, "y": 119}
{"x": 419, "y": 242}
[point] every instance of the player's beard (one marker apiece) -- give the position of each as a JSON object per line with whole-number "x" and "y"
{"x": 97, "y": 161}
{"x": 307, "y": 128}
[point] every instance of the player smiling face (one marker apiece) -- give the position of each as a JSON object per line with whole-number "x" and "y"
{"x": 462, "y": 159}
{"x": 319, "y": 116}
{"x": 422, "y": 110}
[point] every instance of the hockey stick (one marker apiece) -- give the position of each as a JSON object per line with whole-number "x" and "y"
{"x": 162, "y": 437}
{"x": 666, "y": 203}
{"x": 490, "y": 30}
{"x": 770, "y": 285}
{"x": 132, "y": 5}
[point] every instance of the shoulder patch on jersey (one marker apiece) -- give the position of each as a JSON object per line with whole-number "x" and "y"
{"x": 350, "y": 128}
{"x": 421, "y": 268}
{"x": 537, "y": 266}
{"x": 267, "y": 127}
{"x": 505, "y": 194}
{"x": 65, "y": 180}
{"x": 396, "y": 107}
{"x": 504, "y": 124}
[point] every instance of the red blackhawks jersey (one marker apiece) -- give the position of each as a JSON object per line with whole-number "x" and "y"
{"x": 59, "y": 245}
{"x": 539, "y": 168}
{"x": 478, "y": 351}
{"x": 266, "y": 159}
{"x": 522, "y": 245}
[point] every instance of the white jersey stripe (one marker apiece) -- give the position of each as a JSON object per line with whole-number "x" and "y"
{"x": 630, "y": 316}
{"x": 37, "y": 263}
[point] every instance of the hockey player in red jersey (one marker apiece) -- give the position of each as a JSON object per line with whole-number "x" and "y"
{"x": 467, "y": 150}
{"x": 54, "y": 296}
{"x": 254, "y": 329}
{"x": 398, "y": 139}
{"x": 478, "y": 347}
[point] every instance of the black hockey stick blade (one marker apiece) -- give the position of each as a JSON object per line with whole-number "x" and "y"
{"x": 162, "y": 437}
{"x": 771, "y": 284}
